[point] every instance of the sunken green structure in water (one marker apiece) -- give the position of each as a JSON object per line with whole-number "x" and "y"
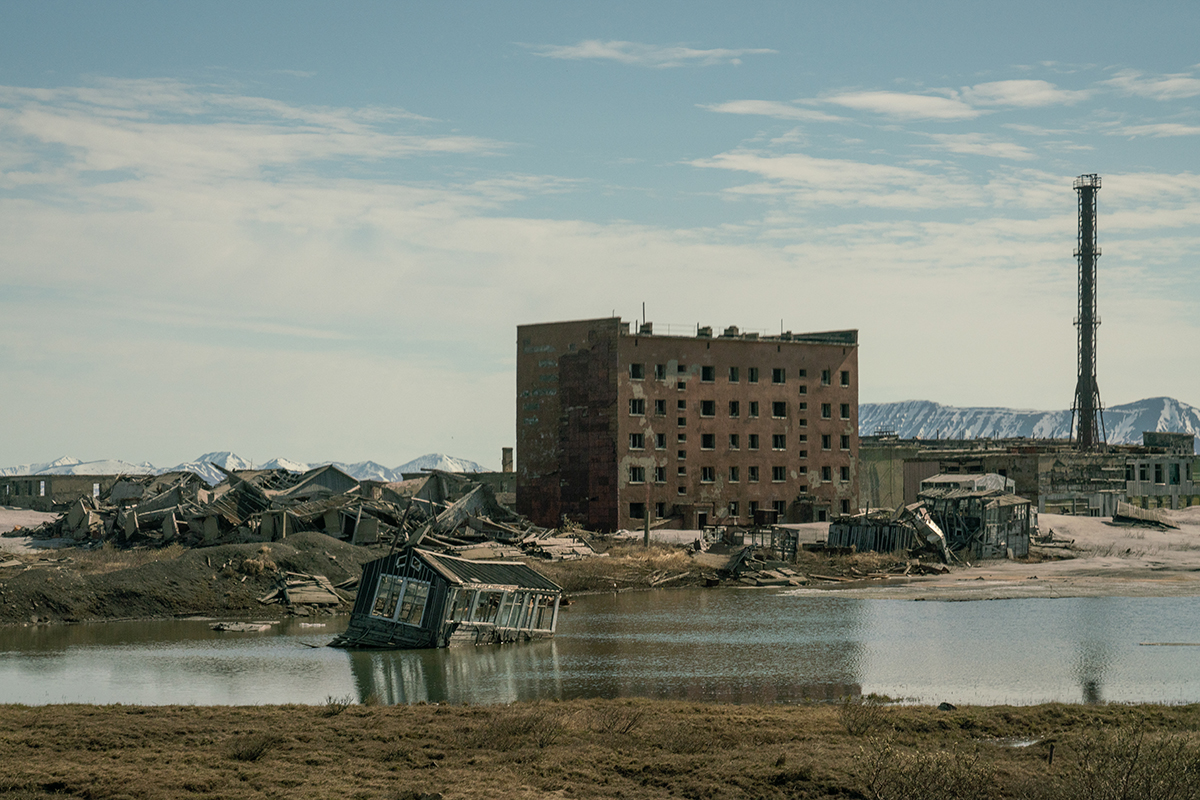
{"x": 415, "y": 598}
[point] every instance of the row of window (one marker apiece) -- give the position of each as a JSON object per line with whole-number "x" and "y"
{"x": 28, "y": 486}
{"x": 708, "y": 441}
{"x": 708, "y": 408}
{"x": 733, "y": 509}
{"x": 708, "y": 374}
{"x": 734, "y": 474}
{"x": 1163, "y": 473}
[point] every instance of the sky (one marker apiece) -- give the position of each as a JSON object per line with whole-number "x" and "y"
{"x": 309, "y": 230}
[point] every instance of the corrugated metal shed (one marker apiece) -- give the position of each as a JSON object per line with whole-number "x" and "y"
{"x": 461, "y": 571}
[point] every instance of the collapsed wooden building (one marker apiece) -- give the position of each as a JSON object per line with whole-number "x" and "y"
{"x": 414, "y": 598}
{"x": 973, "y": 515}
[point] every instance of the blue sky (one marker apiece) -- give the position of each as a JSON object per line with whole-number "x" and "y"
{"x": 310, "y": 231}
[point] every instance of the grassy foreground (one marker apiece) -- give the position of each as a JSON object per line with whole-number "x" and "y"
{"x": 586, "y": 749}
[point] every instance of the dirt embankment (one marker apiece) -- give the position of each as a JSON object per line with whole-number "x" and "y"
{"x": 598, "y": 749}
{"x": 72, "y": 585}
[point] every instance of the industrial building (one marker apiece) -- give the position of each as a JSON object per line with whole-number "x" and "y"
{"x": 52, "y": 492}
{"x": 1052, "y": 474}
{"x": 1081, "y": 476}
{"x": 618, "y": 428}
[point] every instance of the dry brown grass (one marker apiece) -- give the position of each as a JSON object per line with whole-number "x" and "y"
{"x": 626, "y": 565}
{"x": 107, "y": 558}
{"x": 586, "y": 749}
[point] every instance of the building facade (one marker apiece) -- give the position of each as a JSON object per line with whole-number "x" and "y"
{"x": 1052, "y": 474}
{"x": 614, "y": 426}
{"x": 52, "y": 492}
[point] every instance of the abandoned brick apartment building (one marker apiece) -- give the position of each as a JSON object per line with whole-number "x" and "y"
{"x": 613, "y": 426}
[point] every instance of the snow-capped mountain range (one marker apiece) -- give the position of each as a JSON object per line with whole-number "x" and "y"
{"x": 924, "y": 419}
{"x": 203, "y": 466}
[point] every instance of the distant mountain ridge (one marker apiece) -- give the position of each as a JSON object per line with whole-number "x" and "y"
{"x": 925, "y": 419}
{"x": 203, "y": 466}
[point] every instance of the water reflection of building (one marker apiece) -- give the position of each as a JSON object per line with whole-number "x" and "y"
{"x": 735, "y": 647}
{"x": 506, "y": 674}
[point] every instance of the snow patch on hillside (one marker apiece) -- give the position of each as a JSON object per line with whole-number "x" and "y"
{"x": 924, "y": 419}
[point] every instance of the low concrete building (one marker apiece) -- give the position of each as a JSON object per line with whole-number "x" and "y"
{"x": 52, "y": 492}
{"x": 1051, "y": 474}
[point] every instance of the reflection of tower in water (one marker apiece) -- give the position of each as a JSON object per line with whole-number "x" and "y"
{"x": 1093, "y": 655}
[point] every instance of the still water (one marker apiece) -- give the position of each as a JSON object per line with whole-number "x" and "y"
{"x": 726, "y": 645}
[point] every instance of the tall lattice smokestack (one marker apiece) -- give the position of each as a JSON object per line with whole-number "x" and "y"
{"x": 1087, "y": 415}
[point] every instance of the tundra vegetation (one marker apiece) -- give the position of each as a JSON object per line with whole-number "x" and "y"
{"x": 602, "y": 748}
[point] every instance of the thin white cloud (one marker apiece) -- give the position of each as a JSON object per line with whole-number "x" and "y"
{"x": 1035, "y": 130}
{"x": 1158, "y": 130}
{"x": 969, "y": 102}
{"x": 170, "y": 129}
{"x": 646, "y": 55}
{"x": 772, "y": 108}
{"x": 981, "y": 145}
{"x": 906, "y": 106}
{"x": 1021, "y": 93}
{"x": 812, "y": 181}
{"x": 1175, "y": 86}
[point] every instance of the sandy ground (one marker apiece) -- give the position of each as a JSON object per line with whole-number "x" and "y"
{"x": 12, "y": 518}
{"x": 1104, "y": 560}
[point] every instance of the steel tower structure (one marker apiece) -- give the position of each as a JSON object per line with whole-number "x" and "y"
{"x": 1087, "y": 415}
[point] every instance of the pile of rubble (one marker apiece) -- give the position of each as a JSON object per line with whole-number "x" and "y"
{"x": 440, "y": 510}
